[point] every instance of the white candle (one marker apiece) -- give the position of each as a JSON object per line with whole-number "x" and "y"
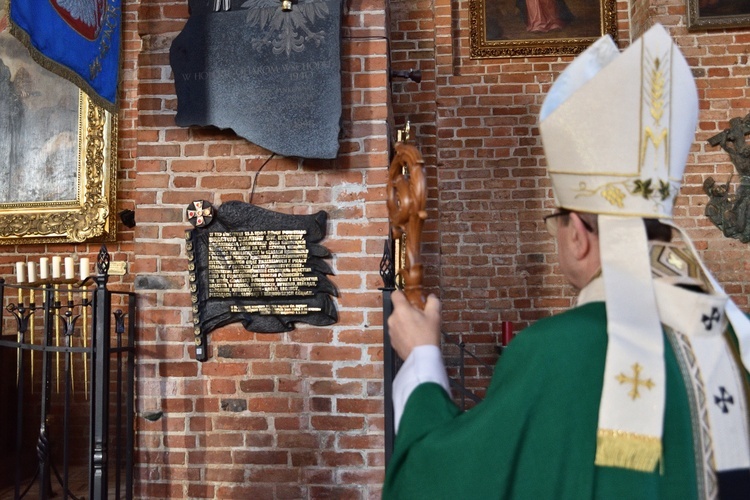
{"x": 70, "y": 270}
{"x": 56, "y": 266}
{"x": 44, "y": 268}
{"x": 84, "y": 265}
{"x": 20, "y": 272}
{"x": 32, "y": 271}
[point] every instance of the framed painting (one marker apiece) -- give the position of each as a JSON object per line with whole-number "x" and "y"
{"x": 717, "y": 14}
{"x": 58, "y": 155}
{"x": 526, "y": 28}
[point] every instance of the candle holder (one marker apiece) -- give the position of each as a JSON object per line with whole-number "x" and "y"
{"x": 74, "y": 318}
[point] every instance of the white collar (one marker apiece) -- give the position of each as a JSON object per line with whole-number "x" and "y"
{"x": 686, "y": 311}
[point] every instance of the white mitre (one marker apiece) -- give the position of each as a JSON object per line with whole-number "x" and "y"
{"x": 617, "y": 144}
{"x": 617, "y": 129}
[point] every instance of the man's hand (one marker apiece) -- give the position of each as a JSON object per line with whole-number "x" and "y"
{"x": 409, "y": 327}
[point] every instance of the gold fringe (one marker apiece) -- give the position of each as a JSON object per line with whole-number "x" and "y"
{"x": 627, "y": 450}
{"x": 62, "y": 70}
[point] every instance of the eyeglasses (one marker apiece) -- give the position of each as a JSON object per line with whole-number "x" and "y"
{"x": 550, "y": 221}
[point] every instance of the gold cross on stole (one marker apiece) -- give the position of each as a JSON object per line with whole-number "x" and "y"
{"x": 636, "y": 381}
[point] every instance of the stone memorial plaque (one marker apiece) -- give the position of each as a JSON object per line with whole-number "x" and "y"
{"x": 262, "y": 268}
{"x": 272, "y": 76}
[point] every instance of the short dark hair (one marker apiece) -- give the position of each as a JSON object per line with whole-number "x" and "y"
{"x": 655, "y": 229}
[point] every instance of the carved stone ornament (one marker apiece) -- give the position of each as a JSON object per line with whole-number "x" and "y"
{"x": 262, "y": 268}
{"x": 730, "y": 212}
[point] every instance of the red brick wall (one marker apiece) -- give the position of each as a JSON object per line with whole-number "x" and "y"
{"x": 290, "y": 415}
{"x": 300, "y": 414}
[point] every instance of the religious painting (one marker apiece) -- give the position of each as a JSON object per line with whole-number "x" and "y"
{"x": 526, "y": 28}
{"x": 57, "y": 155}
{"x": 718, "y": 14}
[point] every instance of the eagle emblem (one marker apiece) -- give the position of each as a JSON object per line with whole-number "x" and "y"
{"x": 86, "y": 17}
{"x": 285, "y": 32}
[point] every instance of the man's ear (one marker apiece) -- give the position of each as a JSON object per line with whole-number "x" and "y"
{"x": 580, "y": 237}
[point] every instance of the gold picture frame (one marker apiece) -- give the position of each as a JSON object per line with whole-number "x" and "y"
{"x": 58, "y": 156}
{"x": 529, "y": 28}
{"x": 91, "y": 214}
{"x": 717, "y": 14}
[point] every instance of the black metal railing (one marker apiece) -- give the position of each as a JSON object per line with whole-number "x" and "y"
{"x": 73, "y": 346}
{"x": 458, "y": 382}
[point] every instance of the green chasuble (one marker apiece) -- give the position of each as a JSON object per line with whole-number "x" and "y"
{"x": 534, "y": 435}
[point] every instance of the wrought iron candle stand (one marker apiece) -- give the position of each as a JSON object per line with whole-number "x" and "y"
{"x": 72, "y": 333}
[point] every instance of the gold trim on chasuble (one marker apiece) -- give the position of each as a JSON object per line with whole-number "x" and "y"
{"x": 627, "y": 450}
{"x": 703, "y": 450}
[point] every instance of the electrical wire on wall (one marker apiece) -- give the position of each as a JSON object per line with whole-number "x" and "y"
{"x": 255, "y": 178}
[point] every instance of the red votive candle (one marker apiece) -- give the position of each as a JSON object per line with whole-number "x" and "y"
{"x": 507, "y": 333}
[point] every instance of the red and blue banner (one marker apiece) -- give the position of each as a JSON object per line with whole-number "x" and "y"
{"x": 77, "y": 39}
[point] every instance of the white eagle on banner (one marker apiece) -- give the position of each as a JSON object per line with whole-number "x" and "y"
{"x": 84, "y": 16}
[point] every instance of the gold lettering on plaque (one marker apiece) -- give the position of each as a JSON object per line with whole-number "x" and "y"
{"x": 274, "y": 309}
{"x": 259, "y": 264}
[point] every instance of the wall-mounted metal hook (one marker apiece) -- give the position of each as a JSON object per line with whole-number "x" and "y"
{"x": 414, "y": 75}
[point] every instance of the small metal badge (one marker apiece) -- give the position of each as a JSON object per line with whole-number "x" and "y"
{"x": 200, "y": 213}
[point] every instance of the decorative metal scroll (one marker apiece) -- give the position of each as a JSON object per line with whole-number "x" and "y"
{"x": 407, "y": 199}
{"x": 731, "y": 212}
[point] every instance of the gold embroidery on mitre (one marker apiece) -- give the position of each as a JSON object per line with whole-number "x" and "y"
{"x": 656, "y": 134}
{"x": 627, "y": 450}
{"x": 653, "y": 134}
{"x": 636, "y": 381}
{"x": 613, "y": 195}
{"x": 655, "y": 95}
{"x": 655, "y": 138}
{"x": 616, "y": 192}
